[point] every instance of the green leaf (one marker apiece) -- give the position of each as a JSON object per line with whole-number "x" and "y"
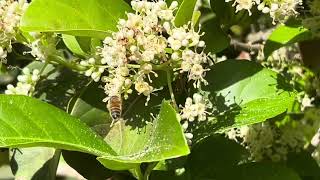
{"x": 244, "y": 93}
{"x": 94, "y": 18}
{"x": 214, "y": 157}
{"x": 59, "y": 85}
{"x": 72, "y": 44}
{"x": 185, "y": 12}
{"x": 158, "y": 140}
{"x": 4, "y": 157}
{"x": 285, "y": 35}
{"x": 196, "y": 17}
{"x": 27, "y": 122}
{"x": 304, "y": 164}
{"x": 263, "y": 171}
{"x": 216, "y": 40}
{"x": 138, "y": 133}
{"x": 24, "y": 165}
{"x": 226, "y": 13}
{"x": 87, "y": 165}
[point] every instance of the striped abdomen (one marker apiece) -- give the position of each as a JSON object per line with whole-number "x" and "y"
{"x": 115, "y": 107}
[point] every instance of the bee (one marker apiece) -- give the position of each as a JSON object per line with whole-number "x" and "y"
{"x": 115, "y": 108}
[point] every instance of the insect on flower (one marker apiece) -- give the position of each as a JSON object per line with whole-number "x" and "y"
{"x": 115, "y": 108}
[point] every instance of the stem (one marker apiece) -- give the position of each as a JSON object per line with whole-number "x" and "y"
{"x": 138, "y": 172}
{"x": 171, "y": 90}
{"x": 135, "y": 66}
{"x": 148, "y": 170}
{"x": 164, "y": 67}
{"x": 62, "y": 61}
{"x": 245, "y": 46}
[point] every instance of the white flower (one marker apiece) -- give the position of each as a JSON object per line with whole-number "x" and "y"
{"x": 196, "y": 72}
{"x": 194, "y": 108}
{"x": 144, "y": 88}
{"x": 94, "y": 69}
{"x": 174, "y": 44}
{"x": 3, "y": 53}
{"x": 10, "y": 15}
{"x": 175, "y": 56}
{"x": 26, "y": 83}
{"x": 43, "y": 45}
{"x": 243, "y": 4}
{"x": 186, "y": 66}
{"x": 306, "y": 102}
{"x": 148, "y": 56}
{"x": 201, "y": 44}
{"x": 279, "y": 10}
{"x": 173, "y": 5}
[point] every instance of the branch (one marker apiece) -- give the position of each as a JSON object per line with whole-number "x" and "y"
{"x": 245, "y": 46}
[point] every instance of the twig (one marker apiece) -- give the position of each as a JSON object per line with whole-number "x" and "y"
{"x": 149, "y": 170}
{"x": 171, "y": 91}
{"x": 246, "y": 46}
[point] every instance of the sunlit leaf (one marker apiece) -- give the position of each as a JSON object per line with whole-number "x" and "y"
{"x": 285, "y": 35}
{"x": 27, "y": 122}
{"x": 94, "y": 18}
{"x": 244, "y": 93}
{"x": 185, "y": 12}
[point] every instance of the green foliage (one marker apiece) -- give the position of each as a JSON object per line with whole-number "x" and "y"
{"x": 87, "y": 165}
{"x": 73, "y": 45}
{"x": 214, "y": 158}
{"x": 264, "y": 171}
{"x": 94, "y": 18}
{"x": 304, "y": 165}
{"x": 285, "y": 35}
{"x": 163, "y": 139}
{"x": 24, "y": 165}
{"x": 219, "y": 158}
{"x": 148, "y": 141}
{"x": 216, "y": 39}
{"x": 36, "y": 124}
{"x": 244, "y": 93}
{"x": 226, "y": 15}
{"x": 156, "y": 140}
{"x": 185, "y": 12}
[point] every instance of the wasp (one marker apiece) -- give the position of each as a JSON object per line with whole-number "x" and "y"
{"x": 115, "y": 108}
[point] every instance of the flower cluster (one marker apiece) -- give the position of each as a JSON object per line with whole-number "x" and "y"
{"x": 279, "y": 10}
{"x": 26, "y": 83}
{"x": 283, "y": 59}
{"x": 146, "y": 42}
{"x": 195, "y": 108}
{"x": 10, "y": 15}
{"x": 42, "y": 45}
{"x": 93, "y": 69}
{"x": 265, "y": 141}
